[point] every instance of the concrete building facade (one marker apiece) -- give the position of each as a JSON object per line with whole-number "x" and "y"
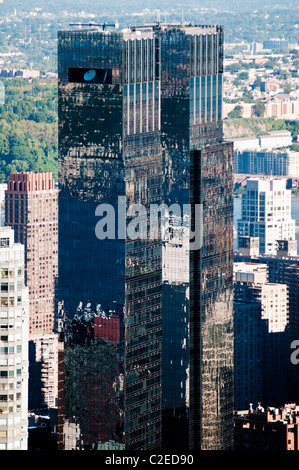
{"x": 266, "y": 213}
{"x": 267, "y": 141}
{"x": 267, "y": 162}
{"x": 13, "y": 345}
{"x": 31, "y": 210}
{"x": 261, "y": 320}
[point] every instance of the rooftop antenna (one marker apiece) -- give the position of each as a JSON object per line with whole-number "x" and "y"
{"x": 101, "y": 25}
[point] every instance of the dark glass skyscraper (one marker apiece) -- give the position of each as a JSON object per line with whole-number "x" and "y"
{"x": 147, "y": 312}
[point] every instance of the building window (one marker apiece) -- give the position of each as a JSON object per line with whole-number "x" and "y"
{"x": 4, "y": 242}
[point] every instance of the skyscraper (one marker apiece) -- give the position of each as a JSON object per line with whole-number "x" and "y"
{"x": 260, "y": 337}
{"x": 283, "y": 269}
{"x": 31, "y": 210}
{"x": 141, "y": 142}
{"x": 266, "y": 213}
{"x": 13, "y": 345}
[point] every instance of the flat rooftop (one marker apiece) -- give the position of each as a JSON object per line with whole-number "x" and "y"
{"x": 143, "y": 30}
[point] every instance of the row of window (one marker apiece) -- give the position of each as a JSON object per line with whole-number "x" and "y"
{"x": 206, "y": 99}
{"x": 10, "y": 373}
{"x": 10, "y": 397}
{"x": 206, "y": 54}
{"x": 10, "y": 349}
{"x": 5, "y": 286}
{"x": 10, "y": 301}
{"x": 5, "y": 273}
{"x": 142, "y": 59}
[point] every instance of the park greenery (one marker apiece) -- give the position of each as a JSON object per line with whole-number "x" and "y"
{"x": 28, "y": 127}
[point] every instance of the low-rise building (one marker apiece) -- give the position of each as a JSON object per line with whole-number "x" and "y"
{"x": 267, "y": 162}
{"x": 281, "y": 107}
{"x": 267, "y": 429}
{"x": 273, "y": 139}
{"x": 264, "y": 142}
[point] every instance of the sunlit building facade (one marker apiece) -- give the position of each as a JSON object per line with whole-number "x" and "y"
{"x": 266, "y": 213}
{"x": 140, "y": 125}
{"x": 31, "y": 210}
{"x": 14, "y": 318}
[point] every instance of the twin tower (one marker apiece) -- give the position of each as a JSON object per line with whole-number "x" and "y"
{"x": 147, "y": 321}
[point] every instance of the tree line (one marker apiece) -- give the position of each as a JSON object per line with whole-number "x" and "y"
{"x": 28, "y": 127}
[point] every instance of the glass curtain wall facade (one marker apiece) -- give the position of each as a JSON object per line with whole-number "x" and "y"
{"x": 197, "y": 295}
{"x": 91, "y": 289}
{"x": 143, "y": 177}
{"x": 140, "y": 121}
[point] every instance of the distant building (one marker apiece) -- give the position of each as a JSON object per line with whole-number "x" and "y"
{"x": 249, "y": 329}
{"x": 249, "y": 246}
{"x": 286, "y": 248}
{"x": 26, "y": 73}
{"x": 23, "y": 73}
{"x": 245, "y": 143}
{"x": 273, "y": 139}
{"x": 13, "y": 345}
{"x": 276, "y": 44}
{"x": 3, "y": 188}
{"x": 246, "y": 109}
{"x": 267, "y": 141}
{"x": 284, "y": 269}
{"x": 251, "y": 282}
{"x": 31, "y": 210}
{"x": 267, "y": 162}
{"x": 260, "y": 319}
{"x": 268, "y": 85}
{"x": 282, "y": 107}
{"x": 43, "y": 357}
{"x": 41, "y": 431}
{"x": 266, "y": 213}
{"x": 267, "y": 429}
{"x": 255, "y": 47}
